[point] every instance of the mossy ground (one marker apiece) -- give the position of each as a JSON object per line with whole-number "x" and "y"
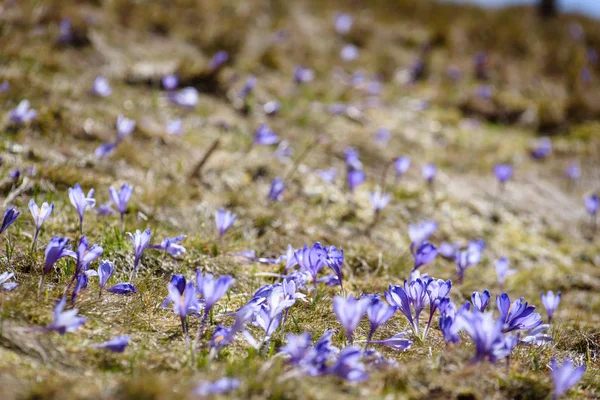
{"x": 539, "y": 222}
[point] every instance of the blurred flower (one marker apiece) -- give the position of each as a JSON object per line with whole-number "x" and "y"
{"x": 10, "y": 216}
{"x": 39, "y": 216}
{"x": 101, "y": 87}
{"x": 123, "y": 288}
{"x": 503, "y": 172}
{"x": 536, "y": 336}
{"x": 120, "y": 200}
{"x": 486, "y": 334}
{"x": 65, "y": 321}
{"x": 420, "y": 232}
{"x": 503, "y": 270}
{"x": 573, "y": 171}
{"x": 276, "y": 190}
{"x": 591, "y": 204}
{"x": 105, "y": 209}
{"x": 379, "y": 200}
{"x": 265, "y": 136}
{"x": 312, "y": 259}
{"x": 379, "y": 313}
{"x": 4, "y": 86}
{"x": 543, "y": 149}
{"x": 116, "y": 344}
{"x": 401, "y": 165}
{"x": 248, "y": 87}
{"x": 187, "y": 97}
{"x": 565, "y": 376}
{"x": 397, "y": 342}
{"x": 171, "y": 246}
{"x": 141, "y": 241}
{"x": 348, "y": 365}
{"x": 81, "y": 202}
{"x": 5, "y": 282}
{"x": 272, "y": 107}
{"x": 335, "y": 261}
{"x": 174, "y": 127}
{"x": 429, "y": 171}
{"x": 355, "y": 177}
{"x": 480, "y": 300}
{"x": 22, "y": 113}
{"x": 183, "y": 297}
{"x": 303, "y": 75}
{"x": 349, "y": 312}
{"x": 550, "y": 302}
{"x": 211, "y": 289}
{"x": 56, "y": 249}
{"x": 105, "y": 271}
{"x": 284, "y": 151}
{"x": 343, "y": 23}
{"x": 218, "y": 60}
{"x": 170, "y": 82}
{"x": 328, "y": 175}
{"x": 448, "y": 250}
{"x": 423, "y": 254}
{"x": 220, "y": 386}
{"x": 518, "y": 315}
{"x": 349, "y": 52}
{"x": 224, "y": 219}
{"x": 65, "y": 31}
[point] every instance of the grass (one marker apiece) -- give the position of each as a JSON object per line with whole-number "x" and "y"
{"x": 539, "y": 223}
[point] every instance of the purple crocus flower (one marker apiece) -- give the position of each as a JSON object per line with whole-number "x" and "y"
{"x": 312, "y": 260}
{"x": 517, "y": 315}
{"x": 429, "y": 171}
{"x": 184, "y": 301}
{"x": 210, "y": 289}
{"x": 284, "y": 151}
{"x": 125, "y": 127}
{"x": 101, "y": 87}
{"x": 187, "y": 97}
{"x": 170, "y": 82}
{"x": 480, "y": 300}
{"x": 220, "y": 386}
{"x": 22, "y": 114}
{"x": 123, "y": 288}
{"x": 397, "y": 342}
{"x": 65, "y": 321}
{"x": 303, "y": 75}
{"x": 272, "y": 107}
{"x": 224, "y": 220}
{"x": 349, "y": 52}
{"x": 382, "y": 136}
{"x": 573, "y": 171}
{"x": 565, "y": 376}
{"x": 410, "y": 300}
{"x": 352, "y": 158}
{"x": 349, "y": 312}
{"x": 265, "y": 136}
{"x": 537, "y": 336}
{"x": 81, "y": 202}
{"x": 448, "y": 250}
{"x": 348, "y": 365}
{"x": 39, "y": 216}
{"x": 343, "y": 23}
{"x": 141, "y": 241}
{"x": 328, "y": 175}
{"x": 423, "y": 254}
{"x": 10, "y": 216}
{"x": 543, "y": 149}
{"x": 503, "y": 173}
{"x": 174, "y": 127}
{"x": 56, "y": 249}
{"x": 218, "y": 60}
{"x": 65, "y": 29}
{"x": 379, "y": 200}
{"x": 105, "y": 271}
{"x": 86, "y": 255}
{"x": 591, "y": 204}
{"x": 5, "y": 282}
{"x": 116, "y": 344}
{"x": 550, "y": 302}
{"x": 486, "y": 333}
{"x": 105, "y": 209}
{"x": 4, "y": 86}
{"x": 120, "y": 200}
{"x": 468, "y": 258}
{"x": 378, "y": 313}
{"x": 503, "y": 270}
{"x": 335, "y": 261}
{"x": 248, "y": 87}
{"x": 355, "y": 177}
{"x": 401, "y": 165}
{"x": 420, "y": 233}
{"x": 276, "y": 190}
{"x": 171, "y": 246}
